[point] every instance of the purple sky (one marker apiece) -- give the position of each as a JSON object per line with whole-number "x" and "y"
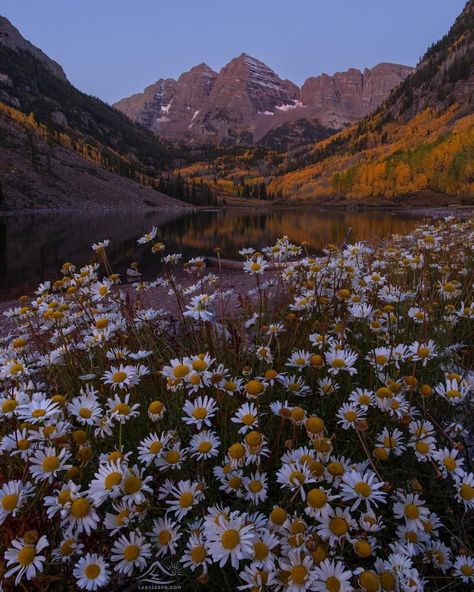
{"x": 113, "y": 48}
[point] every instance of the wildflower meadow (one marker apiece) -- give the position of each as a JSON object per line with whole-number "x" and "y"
{"x": 314, "y": 435}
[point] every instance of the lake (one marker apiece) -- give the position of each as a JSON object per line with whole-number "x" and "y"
{"x": 34, "y": 246}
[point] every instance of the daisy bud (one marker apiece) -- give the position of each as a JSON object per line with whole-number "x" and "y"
{"x": 31, "y": 537}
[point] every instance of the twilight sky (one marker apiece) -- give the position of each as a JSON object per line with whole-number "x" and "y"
{"x": 113, "y": 48}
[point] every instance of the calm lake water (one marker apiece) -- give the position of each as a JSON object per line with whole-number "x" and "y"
{"x": 34, "y": 246}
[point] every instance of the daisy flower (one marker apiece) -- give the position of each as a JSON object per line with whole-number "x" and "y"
{"x": 185, "y": 495}
{"x": 256, "y": 487}
{"x": 464, "y": 569}
{"x": 204, "y": 445}
{"x": 80, "y": 516}
{"x": 349, "y": 415}
{"x": 362, "y": 488}
{"x": 135, "y": 486}
{"x": 152, "y": 447}
{"x": 195, "y": 555}
{"x": 335, "y": 525}
{"x": 121, "y": 410}
{"x": 148, "y": 236}
{"x": 300, "y": 571}
{"x": 449, "y": 461}
{"x": 200, "y": 411}
{"x": 46, "y": 463}
{"x": 230, "y": 538}
{"x": 341, "y": 360}
{"x": 294, "y": 476}
{"x": 410, "y": 508}
{"x": 38, "y": 410}
{"x": 106, "y": 482}
{"x": 13, "y": 495}
{"x": 255, "y": 266}
{"x": 85, "y": 408}
{"x": 423, "y": 351}
{"x": 122, "y": 377}
{"x": 464, "y": 485}
{"x": 91, "y": 572}
{"x": 247, "y": 416}
{"x": 165, "y": 535}
{"x": 332, "y": 575}
{"x": 23, "y": 557}
{"x": 130, "y": 552}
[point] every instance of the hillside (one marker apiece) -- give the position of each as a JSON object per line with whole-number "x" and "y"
{"x": 421, "y": 138}
{"x": 85, "y": 142}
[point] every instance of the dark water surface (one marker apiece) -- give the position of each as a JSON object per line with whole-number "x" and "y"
{"x": 34, "y": 246}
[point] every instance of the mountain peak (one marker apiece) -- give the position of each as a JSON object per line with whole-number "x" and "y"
{"x": 12, "y": 38}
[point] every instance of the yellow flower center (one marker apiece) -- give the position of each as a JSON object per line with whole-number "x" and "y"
{"x": 131, "y": 552}
{"x": 230, "y": 539}
{"x": 237, "y": 451}
{"x": 235, "y": 482}
{"x": 363, "y": 488}
{"x": 113, "y": 478}
{"x": 80, "y": 507}
{"x": 92, "y": 571}
{"x": 204, "y": 447}
{"x": 254, "y": 388}
{"x": 200, "y": 413}
{"x": 85, "y": 413}
{"x": 164, "y": 537}
{"x": 38, "y": 413}
{"x": 155, "y": 447}
{"x": 467, "y": 570}
{"x": 296, "y": 478}
{"x": 255, "y": 486}
{"x": 155, "y": 407}
{"x": 333, "y": 584}
{"x": 338, "y": 526}
{"x": 338, "y": 363}
{"x": 64, "y": 497}
{"x": 119, "y": 376}
{"x": 298, "y": 574}
{"x": 412, "y": 512}
{"x": 186, "y": 499}
{"x": 317, "y": 498}
{"x": 172, "y": 457}
{"x": 26, "y": 555}
{"x": 466, "y": 491}
{"x": 50, "y": 464}
{"x": 350, "y": 415}
{"x": 9, "y": 502}
{"x": 180, "y": 371}
{"x": 260, "y": 550}
{"x": 9, "y": 405}
{"x": 423, "y": 352}
{"x": 122, "y": 409}
{"x": 132, "y": 484}
{"x": 369, "y": 581}
{"x": 198, "y": 554}
{"x": 67, "y": 547}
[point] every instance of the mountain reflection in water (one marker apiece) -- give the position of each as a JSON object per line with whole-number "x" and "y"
{"x": 34, "y": 246}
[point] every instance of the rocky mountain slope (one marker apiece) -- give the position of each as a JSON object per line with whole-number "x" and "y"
{"x": 59, "y": 145}
{"x": 247, "y": 102}
{"x": 420, "y": 138}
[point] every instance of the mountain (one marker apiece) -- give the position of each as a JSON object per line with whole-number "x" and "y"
{"x": 247, "y": 102}
{"x": 419, "y": 141}
{"x": 59, "y": 146}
